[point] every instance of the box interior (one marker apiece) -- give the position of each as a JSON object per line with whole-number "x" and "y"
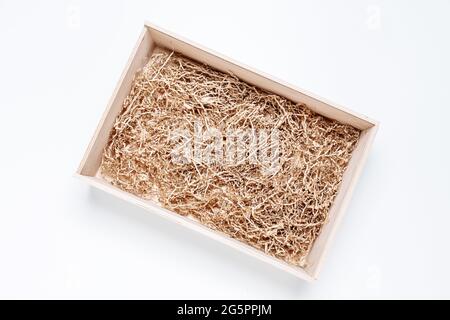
{"x": 152, "y": 37}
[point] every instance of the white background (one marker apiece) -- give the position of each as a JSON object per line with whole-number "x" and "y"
{"x": 59, "y": 63}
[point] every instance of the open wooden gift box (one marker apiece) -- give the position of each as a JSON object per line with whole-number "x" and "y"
{"x": 153, "y": 37}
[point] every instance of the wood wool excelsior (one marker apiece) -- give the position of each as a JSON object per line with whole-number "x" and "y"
{"x": 278, "y": 211}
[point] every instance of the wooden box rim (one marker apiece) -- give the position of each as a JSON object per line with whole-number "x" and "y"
{"x": 153, "y": 36}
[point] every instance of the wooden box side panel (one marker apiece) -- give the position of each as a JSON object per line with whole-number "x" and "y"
{"x": 196, "y": 226}
{"x": 140, "y": 55}
{"x": 259, "y": 79}
{"x": 351, "y": 175}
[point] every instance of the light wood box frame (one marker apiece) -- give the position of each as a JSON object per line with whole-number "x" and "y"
{"x": 153, "y": 36}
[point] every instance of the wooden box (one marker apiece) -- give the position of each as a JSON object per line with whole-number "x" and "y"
{"x": 152, "y": 37}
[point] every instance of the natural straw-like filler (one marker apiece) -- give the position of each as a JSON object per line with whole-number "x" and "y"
{"x": 279, "y": 205}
